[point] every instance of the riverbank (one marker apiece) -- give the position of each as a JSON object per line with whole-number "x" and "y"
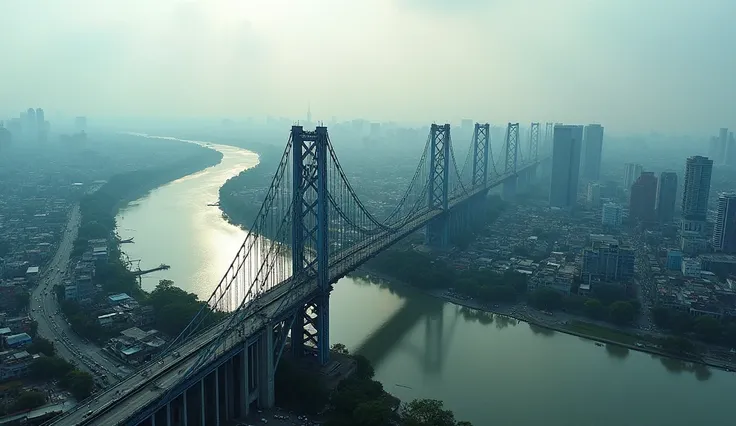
{"x": 571, "y": 326}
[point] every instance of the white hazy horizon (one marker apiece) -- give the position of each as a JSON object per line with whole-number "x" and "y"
{"x": 632, "y": 65}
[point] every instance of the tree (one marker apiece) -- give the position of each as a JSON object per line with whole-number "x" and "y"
{"x": 364, "y": 369}
{"x": 594, "y": 309}
{"x": 621, "y": 312}
{"x": 340, "y": 349}
{"x": 678, "y": 345}
{"x": 427, "y": 412}
{"x": 41, "y": 346}
{"x": 545, "y": 298}
{"x": 22, "y": 300}
{"x": 33, "y": 332}
{"x": 708, "y": 328}
{"x": 49, "y": 367}
{"x": 373, "y": 413}
{"x": 79, "y": 383}
{"x": 28, "y": 401}
{"x": 352, "y": 392}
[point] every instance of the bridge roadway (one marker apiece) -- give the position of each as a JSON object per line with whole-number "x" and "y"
{"x": 120, "y": 402}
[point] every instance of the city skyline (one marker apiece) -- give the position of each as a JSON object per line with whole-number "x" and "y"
{"x": 227, "y": 58}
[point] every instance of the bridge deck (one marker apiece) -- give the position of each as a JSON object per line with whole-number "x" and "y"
{"x": 119, "y": 403}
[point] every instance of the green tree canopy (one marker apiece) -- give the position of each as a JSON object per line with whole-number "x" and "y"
{"x": 41, "y": 346}
{"x": 622, "y": 312}
{"x": 428, "y": 412}
{"x": 79, "y": 383}
{"x": 28, "y": 401}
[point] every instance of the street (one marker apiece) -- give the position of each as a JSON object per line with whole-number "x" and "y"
{"x": 51, "y": 323}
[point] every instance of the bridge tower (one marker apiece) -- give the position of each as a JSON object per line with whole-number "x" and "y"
{"x": 534, "y": 142}
{"x": 309, "y": 237}
{"x": 481, "y": 142}
{"x": 437, "y": 233}
{"x": 510, "y": 163}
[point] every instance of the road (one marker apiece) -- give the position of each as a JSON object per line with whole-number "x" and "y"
{"x": 51, "y": 323}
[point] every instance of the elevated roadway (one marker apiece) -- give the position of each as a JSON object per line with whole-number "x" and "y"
{"x": 148, "y": 385}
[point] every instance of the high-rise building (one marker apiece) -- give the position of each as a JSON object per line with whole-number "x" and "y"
{"x": 612, "y": 215}
{"x": 724, "y": 231}
{"x": 698, "y": 172}
{"x": 40, "y": 120}
{"x": 591, "y": 152}
{"x": 722, "y": 145}
{"x": 607, "y": 261}
{"x": 713, "y": 147}
{"x": 565, "y": 165}
{"x": 5, "y": 136}
{"x": 30, "y": 125}
{"x": 643, "y": 197}
{"x": 41, "y": 125}
{"x": 731, "y": 150}
{"x": 666, "y": 196}
{"x": 631, "y": 174}
{"x": 594, "y": 194}
{"x": 80, "y": 124}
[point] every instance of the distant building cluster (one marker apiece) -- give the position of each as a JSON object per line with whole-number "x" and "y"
{"x": 29, "y": 126}
{"x": 723, "y": 147}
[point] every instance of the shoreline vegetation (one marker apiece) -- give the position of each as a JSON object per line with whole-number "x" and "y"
{"x": 173, "y": 307}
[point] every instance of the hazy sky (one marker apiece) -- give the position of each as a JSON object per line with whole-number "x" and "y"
{"x": 633, "y": 65}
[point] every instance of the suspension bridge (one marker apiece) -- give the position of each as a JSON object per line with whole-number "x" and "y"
{"x": 311, "y": 230}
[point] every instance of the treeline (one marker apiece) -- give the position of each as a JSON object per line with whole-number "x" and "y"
{"x": 610, "y": 303}
{"x": 705, "y": 328}
{"x": 422, "y": 271}
{"x": 98, "y": 211}
{"x": 232, "y": 203}
{"x": 357, "y": 401}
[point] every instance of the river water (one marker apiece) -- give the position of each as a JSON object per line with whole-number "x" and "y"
{"x": 490, "y": 370}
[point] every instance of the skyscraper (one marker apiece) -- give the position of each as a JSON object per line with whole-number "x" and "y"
{"x": 80, "y": 124}
{"x": 30, "y": 126}
{"x": 591, "y": 152}
{"x": 594, "y": 194}
{"x": 698, "y": 171}
{"x": 722, "y": 145}
{"x": 666, "y": 196}
{"x": 565, "y": 165}
{"x": 731, "y": 150}
{"x": 631, "y": 174}
{"x": 643, "y": 196}
{"x": 724, "y": 232}
{"x": 40, "y": 125}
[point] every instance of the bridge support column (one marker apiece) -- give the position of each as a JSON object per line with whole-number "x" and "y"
{"x": 184, "y": 412}
{"x": 243, "y": 400}
{"x": 168, "y": 414}
{"x": 217, "y": 395}
{"x": 229, "y": 389}
{"x": 267, "y": 395}
{"x": 509, "y": 189}
{"x": 203, "y": 405}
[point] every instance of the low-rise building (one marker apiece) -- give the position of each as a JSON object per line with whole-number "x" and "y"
{"x": 15, "y": 364}
{"x": 690, "y": 267}
{"x": 17, "y": 340}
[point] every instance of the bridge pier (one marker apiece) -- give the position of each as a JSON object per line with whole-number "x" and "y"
{"x": 509, "y": 188}
{"x": 267, "y": 393}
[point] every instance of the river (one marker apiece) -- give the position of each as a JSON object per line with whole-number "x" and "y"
{"x": 489, "y": 369}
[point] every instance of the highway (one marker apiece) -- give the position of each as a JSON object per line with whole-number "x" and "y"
{"x": 51, "y": 323}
